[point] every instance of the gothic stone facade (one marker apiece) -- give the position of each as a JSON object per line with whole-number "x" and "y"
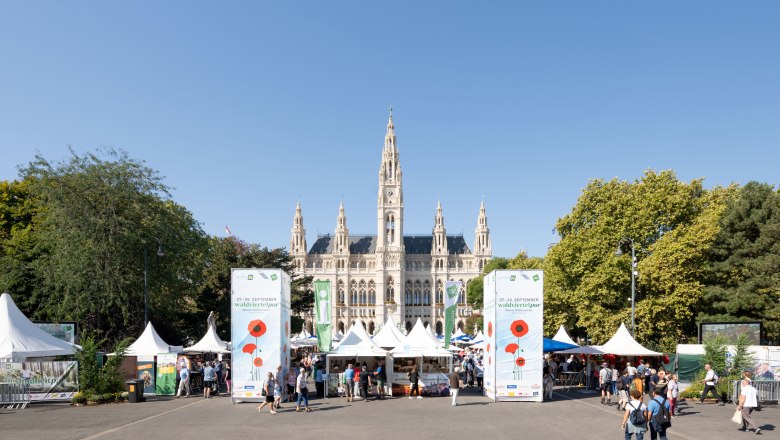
{"x": 391, "y": 274}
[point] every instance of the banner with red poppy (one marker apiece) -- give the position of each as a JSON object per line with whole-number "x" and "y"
{"x": 260, "y": 313}
{"x": 517, "y": 323}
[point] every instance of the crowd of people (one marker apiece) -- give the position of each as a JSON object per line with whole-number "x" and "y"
{"x": 199, "y": 374}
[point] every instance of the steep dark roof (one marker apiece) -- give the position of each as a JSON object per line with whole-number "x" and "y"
{"x": 414, "y": 244}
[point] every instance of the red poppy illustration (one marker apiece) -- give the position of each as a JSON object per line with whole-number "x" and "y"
{"x": 490, "y": 360}
{"x": 520, "y": 362}
{"x": 258, "y": 362}
{"x": 519, "y": 328}
{"x": 488, "y": 348}
{"x": 284, "y": 349}
{"x": 249, "y": 348}
{"x": 287, "y": 328}
{"x": 511, "y": 348}
{"x": 490, "y": 328}
{"x": 257, "y": 328}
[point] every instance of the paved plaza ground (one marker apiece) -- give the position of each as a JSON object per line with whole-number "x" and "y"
{"x": 577, "y": 415}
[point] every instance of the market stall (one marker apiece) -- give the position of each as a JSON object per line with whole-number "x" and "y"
{"x": 389, "y": 336}
{"x": 356, "y": 347}
{"x": 432, "y": 362}
{"x": 144, "y": 354}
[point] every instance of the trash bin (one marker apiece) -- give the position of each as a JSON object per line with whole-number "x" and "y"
{"x": 135, "y": 391}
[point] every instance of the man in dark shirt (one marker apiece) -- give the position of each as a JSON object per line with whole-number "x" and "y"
{"x": 381, "y": 379}
{"x": 365, "y": 382}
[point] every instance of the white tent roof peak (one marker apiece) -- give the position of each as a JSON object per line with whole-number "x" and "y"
{"x": 419, "y": 342}
{"x": 21, "y": 339}
{"x": 389, "y": 336}
{"x": 357, "y": 343}
{"x": 150, "y": 344}
{"x": 563, "y": 336}
{"x": 622, "y": 344}
{"x": 209, "y": 343}
{"x": 430, "y": 332}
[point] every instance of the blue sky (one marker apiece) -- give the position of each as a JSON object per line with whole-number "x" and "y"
{"x": 246, "y": 107}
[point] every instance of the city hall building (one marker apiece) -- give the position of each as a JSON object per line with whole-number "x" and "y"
{"x": 390, "y": 274}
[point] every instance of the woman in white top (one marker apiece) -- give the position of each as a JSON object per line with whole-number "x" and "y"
{"x": 672, "y": 393}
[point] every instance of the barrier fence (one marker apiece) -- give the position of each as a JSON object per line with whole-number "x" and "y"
{"x": 768, "y": 390}
{"x": 14, "y": 395}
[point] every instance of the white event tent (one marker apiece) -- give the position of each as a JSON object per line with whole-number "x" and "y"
{"x": 151, "y": 344}
{"x": 563, "y": 336}
{"x": 355, "y": 345}
{"x": 420, "y": 349}
{"x": 389, "y": 336}
{"x": 622, "y": 344}
{"x": 21, "y": 339}
{"x": 209, "y": 343}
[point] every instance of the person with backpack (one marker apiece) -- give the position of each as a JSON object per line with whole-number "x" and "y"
{"x": 615, "y": 376}
{"x": 623, "y": 386}
{"x": 605, "y": 381}
{"x": 660, "y": 418}
{"x": 710, "y": 380}
{"x": 635, "y": 417}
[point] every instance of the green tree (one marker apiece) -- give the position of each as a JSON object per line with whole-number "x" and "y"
{"x": 587, "y": 287}
{"x": 475, "y": 291}
{"x": 102, "y": 211}
{"x": 743, "y": 274}
{"x": 523, "y": 261}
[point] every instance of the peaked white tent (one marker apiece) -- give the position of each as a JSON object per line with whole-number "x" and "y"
{"x": 21, "y": 339}
{"x": 430, "y": 332}
{"x": 622, "y": 344}
{"x": 209, "y": 343}
{"x": 151, "y": 344}
{"x": 563, "y": 336}
{"x": 358, "y": 343}
{"x": 418, "y": 343}
{"x": 479, "y": 341}
{"x": 389, "y": 337}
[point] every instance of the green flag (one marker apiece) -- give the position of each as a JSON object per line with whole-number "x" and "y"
{"x": 322, "y": 315}
{"x": 452, "y": 291}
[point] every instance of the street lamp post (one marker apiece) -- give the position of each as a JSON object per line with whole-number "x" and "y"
{"x": 160, "y": 253}
{"x": 618, "y": 253}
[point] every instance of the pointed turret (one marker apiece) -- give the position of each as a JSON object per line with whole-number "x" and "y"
{"x": 482, "y": 246}
{"x": 390, "y": 198}
{"x": 342, "y": 233}
{"x": 439, "y": 246}
{"x": 298, "y": 238}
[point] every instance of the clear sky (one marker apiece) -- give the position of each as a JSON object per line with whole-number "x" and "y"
{"x": 246, "y": 107}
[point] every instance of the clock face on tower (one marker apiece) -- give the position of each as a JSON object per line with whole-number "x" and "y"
{"x": 390, "y": 193}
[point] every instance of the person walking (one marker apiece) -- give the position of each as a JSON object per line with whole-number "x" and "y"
{"x": 631, "y": 370}
{"x": 365, "y": 382}
{"x": 657, "y": 404}
{"x": 349, "y": 380}
{"x": 623, "y": 387}
{"x": 290, "y": 381}
{"x": 228, "y": 380}
{"x": 381, "y": 380}
{"x": 454, "y": 385}
{"x": 208, "y": 380}
{"x": 710, "y": 380}
{"x": 748, "y": 401}
{"x": 218, "y": 370}
{"x": 672, "y": 393}
{"x": 414, "y": 377}
{"x": 319, "y": 381}
{"x": 302, "y": 388}
{"x": 548, "y": 381}
{"x": 184, "y": 381}
{"x": 268, "y": 390}
{"x": 605, "y": 381}
{"x": 279, "y": 383}
{"x": 615, "y": 375}
{"x": 356, "y": 370}
{"x": 635, "y": 417}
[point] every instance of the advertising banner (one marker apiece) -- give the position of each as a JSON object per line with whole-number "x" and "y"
{"x": 488, "y": 361}
{"x": 260, "y": 328}
{"x": 65, "y": 331}
{"x": 165, "y": 385}
{"x": 48, "y": 380}
{"x": 144, "y": 367}
{"x": 452, "y": 289}
{"x": 322, "y": 310}
{"x": 517, "y": 322}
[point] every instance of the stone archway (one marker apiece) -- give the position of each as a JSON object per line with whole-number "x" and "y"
{"x": 371, "y": 328}
{"x": 439, "y": 328}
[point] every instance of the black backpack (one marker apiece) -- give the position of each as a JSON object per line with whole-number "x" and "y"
{"x": 637, "y": 416}
{"x": 662, "y": 418}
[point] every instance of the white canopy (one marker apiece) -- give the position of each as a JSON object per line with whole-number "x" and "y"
{"x": 418, "y": 343}
{"x": 430, "y": 332}
{"x": 151, "y": 344}
{"x": 479, "y": 338}
{"x": 357, "y": 343}
{"x": 389, "y": 336}
{"x": 21, "y": 339}
{"x": 622, "y": 344}
{"x": 210, "y": 343}
{"x": 563, "y": 336}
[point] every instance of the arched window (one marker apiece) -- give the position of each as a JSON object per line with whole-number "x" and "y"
{"x": 363, "y": 297}
{"x": 439, "y": 292}
{"x": 389, "y": 290}
{"x": 417, "y": 297}
{"x": 408, "y": 326}
{"x": 439, "y": 328}
{"x": 460, "y": 325}
{"x": 427, "y": 298}
{"x": 341, "y": 327}
{"x": 341, "y": 292}
{"x": 390, "y": 228}
{"x": 371, "y": 327}
{"x": 371, "y": 292}
{"x": 462, "y": 293}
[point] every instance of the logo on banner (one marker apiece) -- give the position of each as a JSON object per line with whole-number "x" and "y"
{"x": 450, "y": 304}
{"x": 322, "y": 303}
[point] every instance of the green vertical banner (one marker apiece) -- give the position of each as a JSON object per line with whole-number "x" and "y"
{"x": 322, "y": 315}
{"x": 452, "y": 291}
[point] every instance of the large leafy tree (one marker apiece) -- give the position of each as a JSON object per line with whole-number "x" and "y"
{"x": 743, "y": 275}
{"x": 587, "y": 287}
{"x": 475, "y": 291}
{"x": 103, "y": 212}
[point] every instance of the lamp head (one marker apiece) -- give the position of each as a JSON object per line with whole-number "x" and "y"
{"x": 160, "y": 251}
